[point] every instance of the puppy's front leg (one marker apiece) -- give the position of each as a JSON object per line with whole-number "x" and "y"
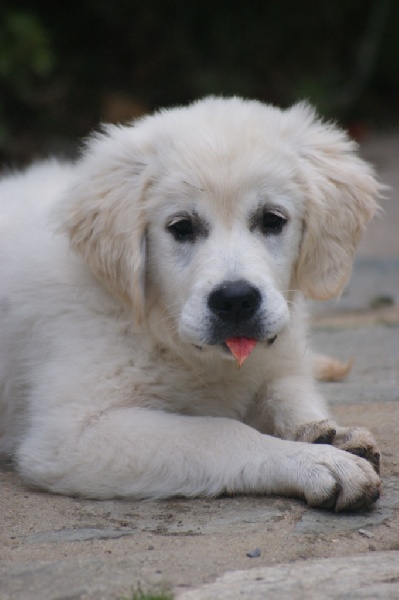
{"x": 285, "y": 406}
{"x": 147, "y": 453}
{"x": 296, "y": 411}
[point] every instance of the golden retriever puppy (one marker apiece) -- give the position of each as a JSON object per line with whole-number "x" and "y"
{"x": 152, "y": 329}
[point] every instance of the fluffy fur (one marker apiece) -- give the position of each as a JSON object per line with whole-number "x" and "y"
{"x": 115, "y": 379}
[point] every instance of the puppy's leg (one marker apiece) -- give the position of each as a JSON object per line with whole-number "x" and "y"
{"x": 291, "y": 408}
{"x": 300, "y": 419}
{"x": 299, "y": 413}
{"x": 326, "y": 368}
{"x": 356, "y": 440}
{"x": 143, "y": 453}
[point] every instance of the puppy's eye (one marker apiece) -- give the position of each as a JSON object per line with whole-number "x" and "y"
{"x": 272, "y": 223}
{"x": 182, "y": 230}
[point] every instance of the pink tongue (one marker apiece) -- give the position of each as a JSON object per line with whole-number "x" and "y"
{"x": 240, "y": 348}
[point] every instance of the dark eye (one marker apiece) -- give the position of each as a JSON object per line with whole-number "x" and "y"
{"x": 182, "y": 230}
{"x": 272, "y": 223}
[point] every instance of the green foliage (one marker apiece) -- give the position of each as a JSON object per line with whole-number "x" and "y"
{"x": 139, "y": 594}
{"x": 26, "y": 58}
{"x": 63, "y": 65}
{"x": 25, "y": 50}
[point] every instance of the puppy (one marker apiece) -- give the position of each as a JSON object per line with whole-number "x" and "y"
{"x": 152, "y": 329}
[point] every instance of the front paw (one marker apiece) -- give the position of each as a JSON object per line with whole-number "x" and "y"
{"x": 334, "y": 479}
{"x": 356, "y": 440}
{"x": 316, "y": 432}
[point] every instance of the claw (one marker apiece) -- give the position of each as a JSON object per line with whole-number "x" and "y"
{"x": 327, "y": 438}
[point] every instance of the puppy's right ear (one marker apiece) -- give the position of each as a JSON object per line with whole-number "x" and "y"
{"x": 104, "y": 213}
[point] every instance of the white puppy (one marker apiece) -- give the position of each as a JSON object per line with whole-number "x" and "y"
{"x": 132, "y": 283}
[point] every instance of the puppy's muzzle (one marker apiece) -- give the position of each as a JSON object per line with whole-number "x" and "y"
{"x": 234, "y": 301}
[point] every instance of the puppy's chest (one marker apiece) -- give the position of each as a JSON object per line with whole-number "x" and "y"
{"x": 200, "y": 392}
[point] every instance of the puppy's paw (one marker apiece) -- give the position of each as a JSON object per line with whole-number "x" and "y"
{"x": 337, "y": 480}
{"x": 358, "y": 441}
{"x": 316, "y": 432}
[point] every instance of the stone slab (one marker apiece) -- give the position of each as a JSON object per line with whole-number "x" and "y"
{"x": 373, "y": 577}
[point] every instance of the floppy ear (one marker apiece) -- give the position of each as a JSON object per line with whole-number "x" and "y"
{"x": 341, "y": 197}
{"x": 104, "y": 214}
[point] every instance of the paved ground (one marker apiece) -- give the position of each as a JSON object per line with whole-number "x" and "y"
{"x": 68, "y": 549}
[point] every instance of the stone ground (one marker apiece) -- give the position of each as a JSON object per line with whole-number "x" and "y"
{"x": 56, "y": 548}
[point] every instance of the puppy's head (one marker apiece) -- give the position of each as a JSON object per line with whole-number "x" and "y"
{"x": 203, "y": 219}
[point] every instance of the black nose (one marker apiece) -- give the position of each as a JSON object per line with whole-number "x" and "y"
{"x": 234, "y": 301}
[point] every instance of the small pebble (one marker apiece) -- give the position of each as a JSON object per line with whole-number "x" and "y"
{"x": 253, "y": 553}
{"x": 366, "y": 533}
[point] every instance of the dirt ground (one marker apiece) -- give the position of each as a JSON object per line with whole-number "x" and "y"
{"x": 53, "y": 547}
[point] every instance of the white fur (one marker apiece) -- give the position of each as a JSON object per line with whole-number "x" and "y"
{"x": 108, "y": 383}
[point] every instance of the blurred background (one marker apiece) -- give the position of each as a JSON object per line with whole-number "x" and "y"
{"x": 66, "y": 66}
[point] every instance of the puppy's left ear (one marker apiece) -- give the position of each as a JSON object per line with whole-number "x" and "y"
{"x": 104, "y": 214}
{"x": 341, "y": 197}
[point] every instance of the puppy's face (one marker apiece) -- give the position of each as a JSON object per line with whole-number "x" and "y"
{"x": 223, "y": 238}
{"x": 203, "y": 220}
